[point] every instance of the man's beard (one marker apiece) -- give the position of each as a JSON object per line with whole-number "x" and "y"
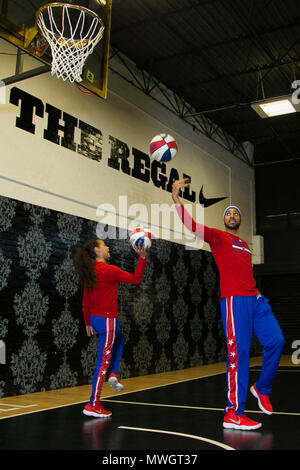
{"x": 233, "y": 226}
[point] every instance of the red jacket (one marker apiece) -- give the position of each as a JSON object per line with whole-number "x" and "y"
{"x": 231, "y": 254}
{"x": 103, "y": 299}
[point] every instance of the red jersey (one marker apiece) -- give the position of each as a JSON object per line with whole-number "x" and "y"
{"x": 103, "y": 299}
{"x": 231, "y": 254}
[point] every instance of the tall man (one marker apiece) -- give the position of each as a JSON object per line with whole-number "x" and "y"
{"x": 244, "y": 311}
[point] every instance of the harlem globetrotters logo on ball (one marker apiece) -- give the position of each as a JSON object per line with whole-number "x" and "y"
{"x": 163, "y": 147}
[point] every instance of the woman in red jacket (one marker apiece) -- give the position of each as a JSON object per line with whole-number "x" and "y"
{"x": 100, "y": 293}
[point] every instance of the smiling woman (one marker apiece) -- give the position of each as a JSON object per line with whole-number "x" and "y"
{"x": 100, "y": 310}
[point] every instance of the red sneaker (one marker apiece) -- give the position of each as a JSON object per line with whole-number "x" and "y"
{"x": 115, "y": 383}
{"x": 96, "y": 411}
{"x": 242, "y": 422}
{"x": 263, "y": 400}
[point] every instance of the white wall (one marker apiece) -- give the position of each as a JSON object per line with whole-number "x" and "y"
{"x": 35, "y": 170}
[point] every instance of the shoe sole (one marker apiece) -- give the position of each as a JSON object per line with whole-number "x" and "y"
{"x": 252, "y": 390}
{"x": 241, "y": 427}
{"x": 96, "y": 415}
{"x": 115, "y": 385}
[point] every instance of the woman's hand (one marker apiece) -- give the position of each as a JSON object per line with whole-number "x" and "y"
{"x": 140, "y": 250}
{"x": 89, "y": 330}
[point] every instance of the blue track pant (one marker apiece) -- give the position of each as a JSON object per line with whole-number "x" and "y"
{"x": 110, "y": 346}
{"x": 243, "y": 316}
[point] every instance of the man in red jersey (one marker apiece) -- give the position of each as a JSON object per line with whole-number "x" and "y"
{"x": 244, "y": 311}
{"x": 100, "y": 310}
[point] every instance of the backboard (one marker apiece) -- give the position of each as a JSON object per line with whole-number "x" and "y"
{"x": 17, "y": 25}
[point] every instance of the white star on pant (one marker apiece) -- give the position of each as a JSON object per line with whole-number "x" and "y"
{"x": 232, "y": 365}
{"x": 230, "y": 342}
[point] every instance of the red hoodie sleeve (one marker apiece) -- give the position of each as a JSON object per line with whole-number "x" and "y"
{"x": 116, "y": 274}
{"x": 86, "y": 306}
{"x": 199, "y": 230}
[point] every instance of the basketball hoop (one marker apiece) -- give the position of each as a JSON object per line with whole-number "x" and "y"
{"x": 72, "y": 32}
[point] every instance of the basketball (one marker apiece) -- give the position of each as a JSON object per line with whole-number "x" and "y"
{"x": 140, "y": 236}
{"x": 163, "y": 147}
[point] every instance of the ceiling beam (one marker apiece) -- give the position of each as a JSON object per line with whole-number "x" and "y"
{"x": 240, "y": 73}
{"x": 155, "y": 17}
{"x": 229, "y": 42}
{"x": 207, "y": 63}
{"x": 128, "y": 71}
{"x": 249, "y": 26}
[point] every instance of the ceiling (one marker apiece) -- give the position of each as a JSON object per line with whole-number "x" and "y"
{"x": 219, "y": 56}
{"x": 216, "y": 55}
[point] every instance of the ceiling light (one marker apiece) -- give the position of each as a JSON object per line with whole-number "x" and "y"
{"x": 275, "y": 107}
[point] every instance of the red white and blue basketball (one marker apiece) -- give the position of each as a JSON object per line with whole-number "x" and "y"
{"x": 163, "y": 147}
{"x": 141, "y": 237}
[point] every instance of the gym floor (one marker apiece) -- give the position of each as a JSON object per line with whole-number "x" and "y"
{"x": 175, "y": 411}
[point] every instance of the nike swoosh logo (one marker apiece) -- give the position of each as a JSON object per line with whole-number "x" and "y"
{"x": 206, "y": 202}
{"x": 235, "y": 422}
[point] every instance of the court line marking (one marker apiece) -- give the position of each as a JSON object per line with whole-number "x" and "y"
{"x": 193, "y": 407}
{"x": 15, "y": 407}
{"x": 163, "y": 405}
{"x": 170, "y": 383}
{"x": 173, "y": 433}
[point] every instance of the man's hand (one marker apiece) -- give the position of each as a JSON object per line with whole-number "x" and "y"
{"x": 176, "y": 186}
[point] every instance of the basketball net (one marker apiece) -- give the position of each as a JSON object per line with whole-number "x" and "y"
{"x": 72, "y": 32}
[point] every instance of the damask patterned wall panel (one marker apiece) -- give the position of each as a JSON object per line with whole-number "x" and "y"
{"x": 170, "y": 321}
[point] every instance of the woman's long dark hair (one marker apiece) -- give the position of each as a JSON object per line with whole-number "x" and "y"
{"x": 84, "y": 264}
